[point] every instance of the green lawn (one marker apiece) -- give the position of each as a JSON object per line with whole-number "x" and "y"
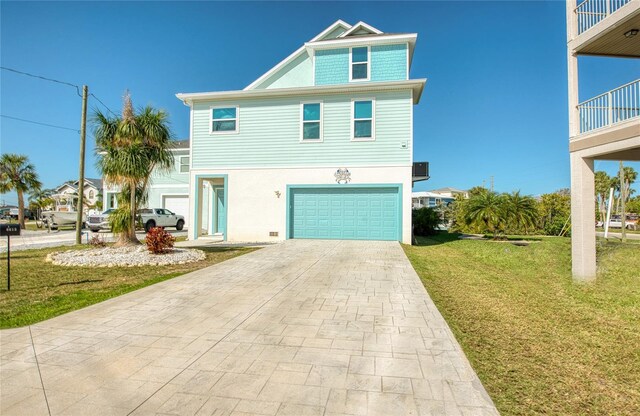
{"x": 540, "y": 343}
{"x": 40, "y": 290}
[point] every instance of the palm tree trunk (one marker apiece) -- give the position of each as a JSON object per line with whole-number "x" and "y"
{"x": 132, "y": 202}
{"x": 21, "y": 209}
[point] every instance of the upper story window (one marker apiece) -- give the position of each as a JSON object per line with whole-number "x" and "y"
{"x": 311, "y": 122}
{"x": 360, "y": 64}
{"x": 363, "y": 120}
{"x": 91, "y": 194}
{"x": 224, "y": 120}
{"x": 184, "y": 164}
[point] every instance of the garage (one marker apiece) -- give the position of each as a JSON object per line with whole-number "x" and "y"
{"x": 178, "y": 204}
{"x": 345, "y": 212}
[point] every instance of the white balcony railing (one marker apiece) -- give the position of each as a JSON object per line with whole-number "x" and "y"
{"x": 612, "y": 107}
{"x": 590, "y": 12}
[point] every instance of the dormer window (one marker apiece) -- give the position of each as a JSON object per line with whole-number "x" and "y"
{"x": 360, "y": 64}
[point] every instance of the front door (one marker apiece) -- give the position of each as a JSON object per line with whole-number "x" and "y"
{"x": 221, "y": 219}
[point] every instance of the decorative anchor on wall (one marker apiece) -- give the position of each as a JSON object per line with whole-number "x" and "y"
{"x": 343, "y": 175}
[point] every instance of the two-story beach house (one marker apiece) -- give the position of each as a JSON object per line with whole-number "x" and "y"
{"x": 320, "y": 146}
{"x": 605, "y": 127}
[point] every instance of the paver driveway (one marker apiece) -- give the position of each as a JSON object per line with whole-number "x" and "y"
{"x": 300, "y": 328}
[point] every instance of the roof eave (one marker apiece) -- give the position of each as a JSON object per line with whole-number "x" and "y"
{"x": 417, "y": 85}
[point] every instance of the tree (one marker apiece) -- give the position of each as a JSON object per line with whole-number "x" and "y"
{"x": 40, "y": 199}
{"x": 630, "y": 176}
{"x": 17, "y": 174}
{"x": 129, "y": 148}
{"x": 426, "y": 221}
{"x": 554, "y": 212}
{"x": 486, "y": 208}
{"x": 603, "y": 183}
{"x": 521, "y": 211}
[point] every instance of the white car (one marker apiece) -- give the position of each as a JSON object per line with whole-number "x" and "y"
{"x": 160, "y": 217}
{"x": 100, "y": 221}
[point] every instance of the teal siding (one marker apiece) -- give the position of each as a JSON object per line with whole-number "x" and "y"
{"x": 174, "y": 177}
{"x": 332, "y": 66}
{"x": 353, "y": 213}
{"x": 389, "y": 62}
{"x": 269, "y": 134}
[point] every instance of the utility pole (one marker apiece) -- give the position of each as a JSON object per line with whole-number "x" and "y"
{"x": 491, "y": 183}
{"x": 83, "y": 134}
{"x": 623, "y": 214}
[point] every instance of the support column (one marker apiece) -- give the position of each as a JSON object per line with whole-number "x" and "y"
{"x": 583, "y": 219}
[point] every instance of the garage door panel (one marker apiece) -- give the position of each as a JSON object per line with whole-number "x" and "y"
{"x": 178, "y": 204}
{"x": 365, "y": 213}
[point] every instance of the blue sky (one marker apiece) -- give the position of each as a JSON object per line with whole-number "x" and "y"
{"x": 495, "y": 103}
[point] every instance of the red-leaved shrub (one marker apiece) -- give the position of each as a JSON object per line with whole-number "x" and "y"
{"x": 159, "y": 241}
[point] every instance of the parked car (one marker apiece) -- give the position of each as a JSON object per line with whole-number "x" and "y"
{"x": 616, "y": 222}
{"x": 160, "y": 217}
{"x": 97, "y": 222}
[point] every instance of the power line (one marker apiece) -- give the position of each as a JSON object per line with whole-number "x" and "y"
{"x": 39, "y": 123}
{"x": 43, "y": 78}
{"x": 100, "y": 101}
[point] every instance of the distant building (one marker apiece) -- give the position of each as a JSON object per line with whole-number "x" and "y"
{"x": 450, "y": 192}
{"x": 68, "y": 191}
{"x": 429, "y": 199}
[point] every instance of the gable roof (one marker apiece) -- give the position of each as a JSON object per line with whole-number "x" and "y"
{"x": 324, "y": 35}
{"x": 359, "y": 27}
{"x": 96, "y": 183}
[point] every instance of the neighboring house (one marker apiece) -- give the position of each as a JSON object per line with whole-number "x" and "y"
{"x": 320, "y": 146}
{"x": 605, "y": 127}
{"x": 65, "y": 194}
{"x": 430, "y": 199}
{"x": 450, "y": 192}
{"x": 168, "y": 190}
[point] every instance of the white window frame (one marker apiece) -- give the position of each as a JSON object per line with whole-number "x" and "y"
{"x": 211, "y": 119}
{"x": 351, "y": 63}
{"x": 188, "y": 165}
{"x": 302, "y": 139}
{"x": 373, "y": 120}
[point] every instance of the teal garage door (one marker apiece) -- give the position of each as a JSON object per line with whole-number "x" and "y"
{"x": 349, "y": 213}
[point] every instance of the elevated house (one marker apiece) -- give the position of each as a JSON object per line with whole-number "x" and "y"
{"x": 605, "y": 127}
{"x": 320, "y": 146}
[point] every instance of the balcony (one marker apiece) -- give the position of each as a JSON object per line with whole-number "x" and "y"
{"x": 611, "y": 108}
{"x": 605, "y": 28}
{"x": 591, "y": 12}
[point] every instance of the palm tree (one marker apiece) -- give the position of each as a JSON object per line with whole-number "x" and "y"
{"x": 521, "y": 211}
{"x": 17, "y": 174}
{"x": 603, "y": 183}
{"x": 630, "y": 176}
{"x": 40, "y": 199}
{"x": 129, "y": 148}
{"x": 486, "y": 208}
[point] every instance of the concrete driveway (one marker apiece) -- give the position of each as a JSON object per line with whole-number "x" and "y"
{"x": 299, "y": 328}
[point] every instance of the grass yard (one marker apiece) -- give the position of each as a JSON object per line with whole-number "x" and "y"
{"x": 40, "y": 290}
{"x": 540, "y": 343}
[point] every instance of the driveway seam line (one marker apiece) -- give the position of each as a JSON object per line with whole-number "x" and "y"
{"x": 256, "y": 309}
{"x": 35, "y": 355}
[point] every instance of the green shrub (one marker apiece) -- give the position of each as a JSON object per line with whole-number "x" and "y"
{"x": 159, "y": 241}
{"x": 425, "y": 221}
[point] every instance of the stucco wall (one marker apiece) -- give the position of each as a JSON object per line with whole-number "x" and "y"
{"x": 254, "y": 209}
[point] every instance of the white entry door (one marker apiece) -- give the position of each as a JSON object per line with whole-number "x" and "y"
{"x": 178, "y": 204}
